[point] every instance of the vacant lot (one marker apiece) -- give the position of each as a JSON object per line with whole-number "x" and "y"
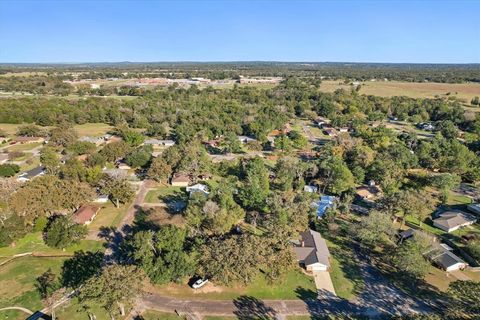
{"x": 463, "y": 91}
{"x": 284, "y": 288}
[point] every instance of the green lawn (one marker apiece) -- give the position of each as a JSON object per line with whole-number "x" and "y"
{"x": 92, "y": 129}
{"x": 157, "y": 315}
{"x": 33, "y": 242}
{"x": 17, "y": 283}
{"x": 455, "y": 198}
{"x": 344, "y": 272}
{"x": 108, "y": 216}
{"x": 156, "y": 195}
{"x": 284, "y": 288}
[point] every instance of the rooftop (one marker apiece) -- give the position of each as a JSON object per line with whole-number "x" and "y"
{"x": 313, "y": 249}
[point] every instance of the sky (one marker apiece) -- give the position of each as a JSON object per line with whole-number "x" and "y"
{"x": 298, "y": 31}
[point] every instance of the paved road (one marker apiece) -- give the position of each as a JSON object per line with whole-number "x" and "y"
{"x": 17, "y": 308}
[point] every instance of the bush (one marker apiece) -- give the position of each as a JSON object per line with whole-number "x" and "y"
{"x": 9, "y": 170}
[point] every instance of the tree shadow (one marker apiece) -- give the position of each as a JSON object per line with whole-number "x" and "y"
{"x": 176, "y": 202}
{"x": 250, "y": 308}
{"x": 81, "y": 267}
{"x": 326, "y": 305}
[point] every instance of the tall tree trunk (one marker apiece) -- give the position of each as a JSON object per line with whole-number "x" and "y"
{"x": 122, "y": 309}
{"x": 117, "y": 203}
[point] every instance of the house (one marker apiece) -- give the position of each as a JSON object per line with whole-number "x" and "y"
{"x": 198, "y": 188}
{"x": 452, "y": 220}
{"x": 3, "y": 158}
{"x": 311, "y": 189}
{"x": 343, "y": 129}
{"x": 158, "y": 143}
{"x": 405, "y": 234}
{"x": 474, "y": 207}
{"x": 102, "y": 198}
{"x": 180, "y": 180}
{"x": 323, "y": 204}
{"x": 312, "y": 251}
{"x": 26, "y": 140}
{"x": 31, "y": 174}
{"x": 85, "y": 214}
{"x": 245, "y": 139}
{"x": 116, "y": 173}
{"x": 444, "y": 258}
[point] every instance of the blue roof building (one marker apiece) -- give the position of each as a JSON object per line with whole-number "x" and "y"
{"x": 323, "y": 204}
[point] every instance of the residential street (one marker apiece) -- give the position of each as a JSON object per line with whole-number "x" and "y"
{"x": 378, "y": 298}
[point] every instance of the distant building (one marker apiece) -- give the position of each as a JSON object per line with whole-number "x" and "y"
{"x": 102, "y": 198}
{"x": 452, "y": 220}
{"x": 310, "y": 189}
{"x": 180, "y": 180}
{"x": 158, "y": 143}
{"x": 98, "y": 141}
{"x": 368, "y": 192}
{"x": 31, "y": 174}
{"x": 85, "y": 214}
{"x": 246, "y": 139}
{"x": 312, "y": 251}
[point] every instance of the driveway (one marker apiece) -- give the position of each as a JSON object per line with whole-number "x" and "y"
{"x": 323, "y": 282}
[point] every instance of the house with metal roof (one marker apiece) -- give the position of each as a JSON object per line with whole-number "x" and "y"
{"x": 312, "y": 251}
{"x": 443, "y": 257}
{"x": 198, "y": 188}
{"x": 323, "y": 204}
{"x": 452, "y": 220}
{"x": 31, "y": 174}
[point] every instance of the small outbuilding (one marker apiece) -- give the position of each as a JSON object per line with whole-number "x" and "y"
{"x": 180, "y": 180}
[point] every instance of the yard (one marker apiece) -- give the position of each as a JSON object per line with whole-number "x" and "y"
{"x": 23, "y": 147}
{"x": 17, "y": 283}
{"x": 108, "y": 216}
{"x": 87, "y": 129}
{"x": 284, "y": 288}
{"x": 163, "y": 193}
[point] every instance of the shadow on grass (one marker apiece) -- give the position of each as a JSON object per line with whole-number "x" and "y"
{"x": 176, "y": 201}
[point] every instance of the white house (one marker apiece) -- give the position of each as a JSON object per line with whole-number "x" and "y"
{"x": 198, "y": 188}
{"x": 311, "y": 189}
{"x": 444, "y": 258}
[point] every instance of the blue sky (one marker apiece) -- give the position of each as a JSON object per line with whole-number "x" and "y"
{"x": 353, "y": 31}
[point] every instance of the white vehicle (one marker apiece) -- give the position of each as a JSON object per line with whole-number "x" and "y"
{"x": 199, "y": 283}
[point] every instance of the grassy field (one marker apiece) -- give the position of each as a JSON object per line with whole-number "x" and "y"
{"x": 283, "y": 288}
{"x": 87, "y": 129}
{"x": 462, "y": 91}
{"x": 108, "y": 216}
{"x": 157, "y": 195}
{"x": 33, "y": 242}
{"x": 23, "y": 147}
{"x": 17, "y": 283}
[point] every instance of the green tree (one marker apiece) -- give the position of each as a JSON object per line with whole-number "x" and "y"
{"x": 62, "y": 232}
{"x": 409, "y": 257}
{"x": 138, "y": 158}
{"x": 133, "y": 138}
{"x": 115, "y": 150}
{"x": 159, "y": 169}
{"x": 256, "y": 185}
{"x": 112, "y": 289}
{"x": 374, "y": 229}
{"x": 49, "y": 159}
{"x": 81, "y": 267}
{"x": 63, "y": 135}
{"x": 119, "y": 190}
{"x": 336, "y": 176}
{"x": 30, "y": 130}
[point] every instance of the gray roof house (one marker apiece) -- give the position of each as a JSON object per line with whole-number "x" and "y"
{"x": 443, "y": 257}
{"x": 30, "y": 174}
{"x": 156, "y": 142}
{"x": 452, "y": 220}
{"x": 312, "y": 251}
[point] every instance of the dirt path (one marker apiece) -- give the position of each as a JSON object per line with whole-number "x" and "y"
{"x": 17, "y": 308}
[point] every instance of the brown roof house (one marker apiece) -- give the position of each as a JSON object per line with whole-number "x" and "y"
{"x": 312, "y": 251}
{"x": 180, "y": 180}
{"x": 452, "y": 220}
{"x": 85, "y": 214}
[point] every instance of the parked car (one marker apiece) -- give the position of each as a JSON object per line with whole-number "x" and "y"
{"x": 199, "y": 283}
